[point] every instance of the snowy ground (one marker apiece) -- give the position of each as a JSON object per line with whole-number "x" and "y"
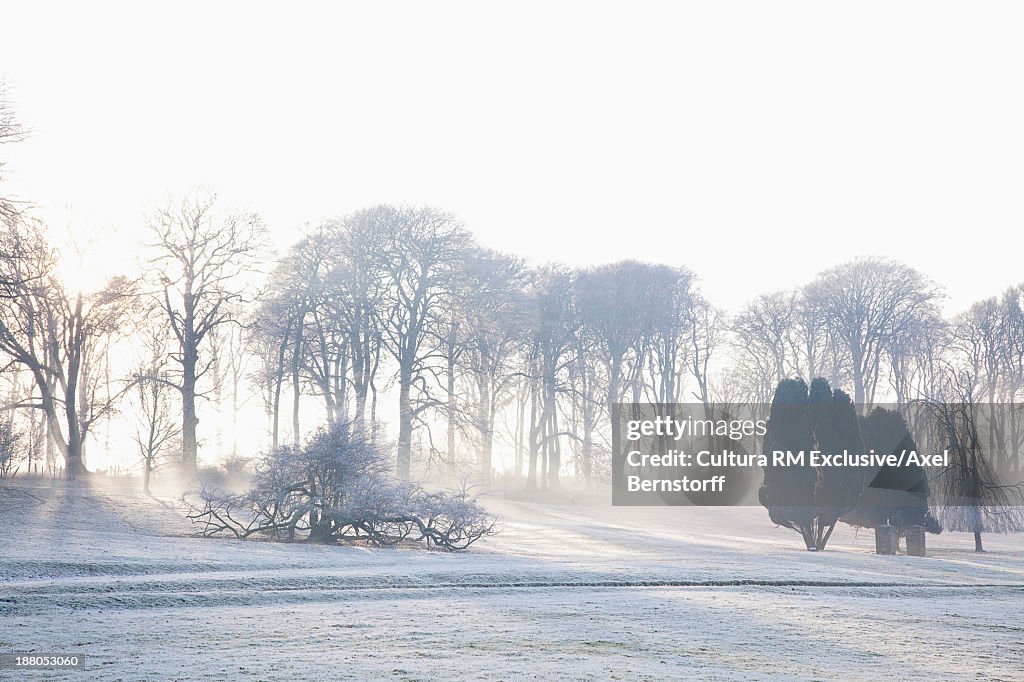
{"x": 570, "y": 589}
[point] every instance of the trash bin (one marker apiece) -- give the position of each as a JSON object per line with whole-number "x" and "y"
{"x": 885, "y": 539}
{"x": 915, "y": 541}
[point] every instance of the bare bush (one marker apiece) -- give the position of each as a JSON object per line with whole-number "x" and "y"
{"x": 338, "y": 488}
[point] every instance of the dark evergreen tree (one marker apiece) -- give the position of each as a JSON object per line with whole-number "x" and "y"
{"x": 788, "y": 491}
{"x": 807, "y": 499}
{"x": 896, "y": 496}
{"x": 836, "y": 430}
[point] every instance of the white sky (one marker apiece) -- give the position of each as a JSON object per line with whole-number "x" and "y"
{"x": 734, "y": 138}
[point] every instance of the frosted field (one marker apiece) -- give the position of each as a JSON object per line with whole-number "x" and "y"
{"x": 571, "y": 589}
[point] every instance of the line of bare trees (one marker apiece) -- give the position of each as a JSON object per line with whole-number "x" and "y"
{"x": 396, "y": 310}
{"x": 474, "y": 348}
{"x": 468, "y": 338}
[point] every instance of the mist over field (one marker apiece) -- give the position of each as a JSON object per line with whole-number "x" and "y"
{"x": 668, "y": 341}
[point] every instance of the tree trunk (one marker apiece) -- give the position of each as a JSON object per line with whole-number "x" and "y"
{"x": 823, "y": 539}
{"x": 373, "y": 412}
{"x": 808, "y": 535}
{"x": 50, "y": 442}
{"x": 587, "y": 448}
{"x": 614, "y": 377}
{"x": 360, "y": 411}
{"x": 451, "y": 408}
{"x": 520, "y": 431}
{"x": 486, "y": 431}
{"x": 296, "y": 386}
{"x": 190, "y": 421}
{"x": 340, "y": 388}
{"x": 360, "y": 370}
{"x": 404, "y": 460}
{"x": 858, "y": 378}
{"x": 531, "y": 473}
{"x": 554, "y": 446}
{"x": 977, "y": 541}
{"x": 275, "y": 417}
{"x": 73, "y": 460}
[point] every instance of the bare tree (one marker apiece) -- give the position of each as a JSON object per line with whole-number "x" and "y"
{"x": 975, "y": 498}
{"x": 270, "y": 352}
{"x": 201, "y": 260}
{"x": 326, "y": 345}
{"x": 56, "y": 335}
{"x": 868, "y": 304}
{"x": 11, "y": 442}
{"x": 548, "y": 353}
{"x": 707, "y": 334}
{"x": 763, "y": 341}
{"x": 236, "y": 352}
{"x": 494, "y": 324}
{"x": 156, "y": 424}
{"x": 988, "y": 343}
{"x": 10, "y": 131}
{"x": 358, "y": 302}
{"x": 283, "y": 319}
{"x": 423, "y": 250}
{"x": 634, "y": 320}
{"x": 915, "y": 355}
{"x": 671, "y": 306}
{"x": 610, "y": 300}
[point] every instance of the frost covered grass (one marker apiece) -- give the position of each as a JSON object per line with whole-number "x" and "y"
{"x": 570, "y": 588}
